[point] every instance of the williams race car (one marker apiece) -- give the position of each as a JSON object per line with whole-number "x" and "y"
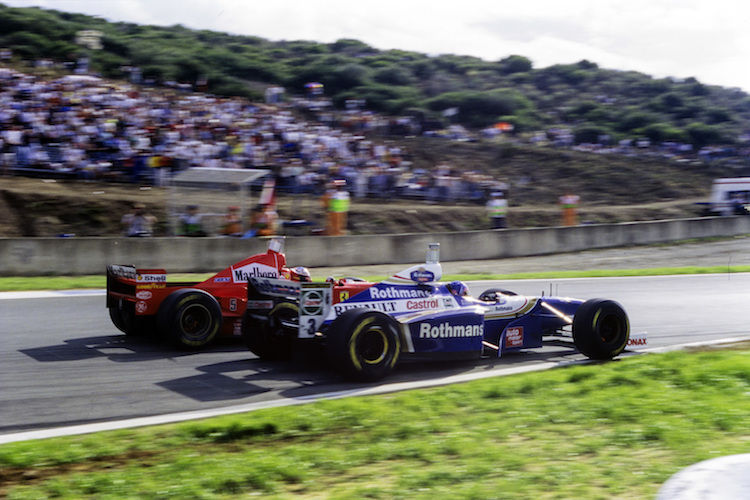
{"x": 366, "y": 328}
{"x": 190, "y": 314}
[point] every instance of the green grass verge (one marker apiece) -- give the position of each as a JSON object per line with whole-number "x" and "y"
{"x": 594, "y": 431}
{"x": 87, "y": 282}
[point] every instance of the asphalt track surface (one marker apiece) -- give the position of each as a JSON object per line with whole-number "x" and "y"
{"x": 63, "y": 363}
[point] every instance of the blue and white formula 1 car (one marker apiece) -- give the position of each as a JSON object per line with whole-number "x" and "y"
{"x": 366, "y": 328}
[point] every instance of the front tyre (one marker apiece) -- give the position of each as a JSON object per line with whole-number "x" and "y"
{"x": 601, "y": 329}
{"x": 271, "y": 337}
{"x": 363, "y": 345}
{"x": 190, "y": 318}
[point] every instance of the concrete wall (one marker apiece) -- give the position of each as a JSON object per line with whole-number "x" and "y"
{"x": 79, "y": 256}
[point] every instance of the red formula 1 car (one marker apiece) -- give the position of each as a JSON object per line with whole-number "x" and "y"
{"x": 190, "y": 314}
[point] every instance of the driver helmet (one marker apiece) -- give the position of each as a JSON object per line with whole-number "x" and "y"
{"x": 458, "y": 288}
{"x": 301, "y": 274}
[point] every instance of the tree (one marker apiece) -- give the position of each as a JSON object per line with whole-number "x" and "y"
{"x": 188, "y": 69}
{"x": 383, "y": 98}
{"x": 635, "y": 120}
{"x": 28, "y": 45}
{"x": 701, "y": 135}
{"x": 515, "y": 64}
{"x": 671, "y": 101}
{"x": 586, "y": 64}
{"x": 347, "y": 46}
{"x": 661, "y": 132}
{"x": 110, "y": 64}
{"x": 590, "y": 134}
{"x": 393, "y": 75}
{"x": 716, "y": 115}
{"x": 581, "y": 110}
{"x": 479, "y": 109}
{"x": 696, "y": 88}
{"x": 346, "y": 77}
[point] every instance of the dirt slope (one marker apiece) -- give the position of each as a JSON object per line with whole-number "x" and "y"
{"x": 32, "y": 207}
{"x": 613, "y": 188}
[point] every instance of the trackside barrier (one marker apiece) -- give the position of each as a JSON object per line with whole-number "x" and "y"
{"x": 81, "y": 256}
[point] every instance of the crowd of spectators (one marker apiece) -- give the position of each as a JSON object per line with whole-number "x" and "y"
{"x": 562, "y": 137}
{"x": 81, "y": 126}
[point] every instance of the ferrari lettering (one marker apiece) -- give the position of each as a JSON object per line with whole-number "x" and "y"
{"x": 446, "y": 330}
{"x": 397, "y": 293}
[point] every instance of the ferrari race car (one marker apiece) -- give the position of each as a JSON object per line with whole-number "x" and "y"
{"x": 366, "y": 328}
{"x": 190, "y": 314}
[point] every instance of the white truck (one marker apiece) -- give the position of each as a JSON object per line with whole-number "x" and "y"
{"x": 729, "y": 196}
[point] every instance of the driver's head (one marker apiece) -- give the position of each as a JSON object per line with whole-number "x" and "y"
{"x": 458, "y": 288}
{"x": 301, "y": 274}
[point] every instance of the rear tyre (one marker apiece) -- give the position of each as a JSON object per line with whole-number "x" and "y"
{"x": 363, "y": 345}
{"x": 190, "y": 318}
{"x": 601, "y": 329}
{"x": 129, "y": 323}
{"x": 124, "y": 320}
{"x": 271, "y": 337}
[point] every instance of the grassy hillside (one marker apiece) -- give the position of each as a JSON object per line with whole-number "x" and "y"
{"x": 592, "y": 102}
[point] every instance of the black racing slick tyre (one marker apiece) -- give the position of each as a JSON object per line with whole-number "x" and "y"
{"x": 490, "y": 295}
{"x": 129, "y": 323}
{"x": 190, "y": 318}
{"x": 124, "y": 319}
{"x": 363, "y": 345}
{"x": 601, "y": 329}
{"x": 271, "y": 337}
